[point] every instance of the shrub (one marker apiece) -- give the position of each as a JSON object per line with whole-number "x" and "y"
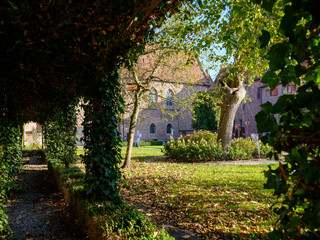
{"x": 200, "y": 146}
{"x": 116, "y": 221}
{"x": 203, "y": 146}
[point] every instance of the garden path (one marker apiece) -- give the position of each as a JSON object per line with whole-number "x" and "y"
{"x": 38, "y": 210}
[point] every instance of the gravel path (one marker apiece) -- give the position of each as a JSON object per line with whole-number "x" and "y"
{"x": 38, "y": 210}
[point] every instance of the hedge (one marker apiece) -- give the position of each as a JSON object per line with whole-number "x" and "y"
{"x": 203, "y": 146}
{"x": 103, "y": 219}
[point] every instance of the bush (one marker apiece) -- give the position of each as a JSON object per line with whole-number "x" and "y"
{"x": 116, "y": 221}
{"x": 200, "y": 146}
{"x": 203, "y": 146}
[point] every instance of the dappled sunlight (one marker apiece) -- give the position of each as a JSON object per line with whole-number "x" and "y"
{"x": 209, "y": 200}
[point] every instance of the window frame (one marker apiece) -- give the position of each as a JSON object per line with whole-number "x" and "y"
{"x": 169, "y": 98}
{"x": 153, "y": 96}
{"x": 154, "y": 128}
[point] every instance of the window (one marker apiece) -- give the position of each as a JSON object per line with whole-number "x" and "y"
{"x": 152, "y": 128}
{"x": 258, "y": 92}
{"x": 267, "y": 92}
{"x": 153, "y": 96}
{"x": 289, "y": 89}
{"x": 243, "y": 106}
{"x": 169, "y": 127}
{"x": 247, "y": 89}
{"x": 169, "y": 97}
{"x": 274, "y": 92}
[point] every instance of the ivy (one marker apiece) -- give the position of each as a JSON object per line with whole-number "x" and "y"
{"x": 102, "y": 140}
{"x": 10, "y": 163}
{"x": 297, "y": 132}
{"x": 60, "y": 135}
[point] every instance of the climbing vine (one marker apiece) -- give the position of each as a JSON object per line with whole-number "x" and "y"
{"x": 102, "y": 140}
{"x": 60, "y": 135}
{"x": 10, "y": 163}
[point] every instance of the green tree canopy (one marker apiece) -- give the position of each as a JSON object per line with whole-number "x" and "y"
{"x": 206, "y": 111}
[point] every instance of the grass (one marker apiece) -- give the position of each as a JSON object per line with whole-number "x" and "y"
{"x": 141, "y": 153}
{"x": 137, "y": 153}
{"x": 213, "y": 201}
{"x": 158, "y": 147}
{"x": 210, "y": 200}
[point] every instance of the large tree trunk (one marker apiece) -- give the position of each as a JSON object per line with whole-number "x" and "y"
{"x": 231, "y": 99}
{"x": 132, "y": 127}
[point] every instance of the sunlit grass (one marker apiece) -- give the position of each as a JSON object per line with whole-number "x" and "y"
{"x": 211, "y": 200}
{"x": 226, "y": 200}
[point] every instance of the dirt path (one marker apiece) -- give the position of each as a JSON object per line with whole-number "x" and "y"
{"x": 38, "y": 210}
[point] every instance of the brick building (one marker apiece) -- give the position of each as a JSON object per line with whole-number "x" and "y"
{"x": 161, "y": 113}
{"x": 258, "y": 93}
{"x": 155, "y": 122}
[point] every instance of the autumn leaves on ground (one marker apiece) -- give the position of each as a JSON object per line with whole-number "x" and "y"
{"x": 211, "y": 201}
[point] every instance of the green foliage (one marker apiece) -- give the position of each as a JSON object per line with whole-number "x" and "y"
{"x": 206, "y": 111}
{"x": 102, "y": 140}
{"x": 128, "y": 223}
{"x": 10, "y": 164}
{"x": 116, "y": 220}
{"x": 60, "y": 135}
{"x": 203, "y": 146}
{"x": 245, "y": 148}
{"x": 225, "y": 32}
{"x": 295, "y": 59}
{"x": 69, "y": 50}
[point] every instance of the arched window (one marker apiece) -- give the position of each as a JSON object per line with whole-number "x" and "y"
{"x": 152, "y": 128}
{"x": 169, "y": 97}
{"x": 169, "y": 127}
{"x": 153, "y": 96}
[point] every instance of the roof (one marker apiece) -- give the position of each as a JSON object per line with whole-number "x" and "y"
{"x": 167, "y": 65}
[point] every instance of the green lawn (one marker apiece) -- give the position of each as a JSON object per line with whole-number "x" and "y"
{"x": 158, "y": 147}
{"x": 210, "y": 200}
{"x": 139, "y": 153}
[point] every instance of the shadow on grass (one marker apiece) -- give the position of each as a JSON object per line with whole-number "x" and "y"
{"x": 238, "y": 209}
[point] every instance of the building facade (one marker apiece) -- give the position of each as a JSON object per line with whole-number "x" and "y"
{"x": 258, "y": 93}
{"x": 169, "y": 114}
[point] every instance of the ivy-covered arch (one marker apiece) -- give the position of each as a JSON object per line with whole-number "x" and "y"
{"x": 55, "y": 52}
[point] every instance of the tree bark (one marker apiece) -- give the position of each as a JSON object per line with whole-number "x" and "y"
{"x": 231, "y": 99}
{"x": 132, "y": 127}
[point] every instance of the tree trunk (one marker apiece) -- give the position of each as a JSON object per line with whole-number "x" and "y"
{"x": 132, "y": 127}
{"x": 231, "y": 99}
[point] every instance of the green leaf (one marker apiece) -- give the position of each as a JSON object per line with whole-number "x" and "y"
{"x": 278, "y": 55}
{"x": 268, "y": 4}
{"x": 264, "y": 39}
{"x": 300, "y": 192}
{"x": 313, "y": 76}
{"x": 271, "y": 79}
{"x": 295, "y": 220}
{"x": 13, "y": 5}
